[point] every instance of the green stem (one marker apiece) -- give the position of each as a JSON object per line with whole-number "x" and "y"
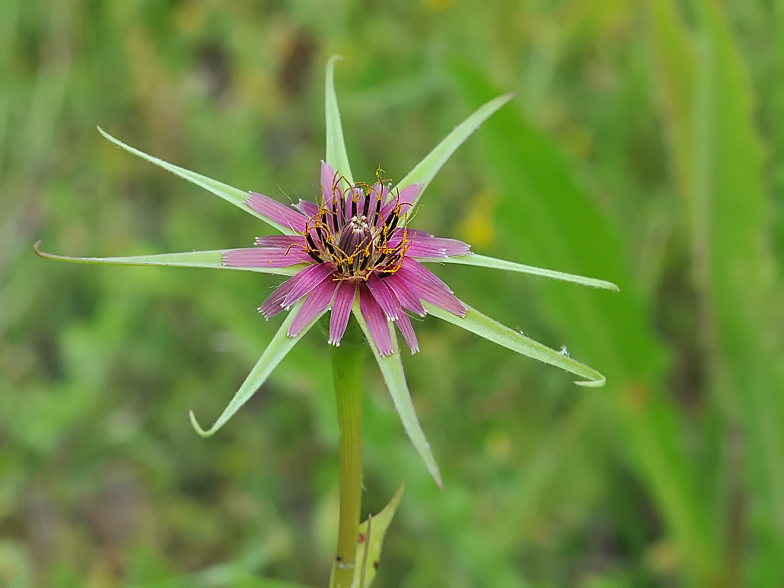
{"x": 347, "y": 377}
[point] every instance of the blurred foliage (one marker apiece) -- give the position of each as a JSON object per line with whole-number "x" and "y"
{"x": 644, "y": 147}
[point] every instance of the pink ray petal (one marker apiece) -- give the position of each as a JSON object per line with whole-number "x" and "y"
{"x": 307, "y": 208}
{"x": 409, "y": 194}
{"x": 436, "y": 247}
{"x": 407, "y": 298}
{"x": 329, "y": 183}
{"x": 377, "y": 192}
{"x": 309, "y": 278}
{"x": 277, "y": 212}
{"x": 384, "y": 296}
{"x": 274, "y": 302}
{"x": 424, "y": 245}
{"x": 428, "y": 287}
{"x": 341, "y": 310}
{"x": 361, "y": 202}
{"x": 281, "y": 241}
{"x": 404, "y": 324}
{"x": 376, "y": 322}
{"x": 315, "y": 303}
{"x": 402, "y": 201}
{"x": 257, "y": 257}
{"x": 397, "y": 236}
{"x": 386, "y": 195}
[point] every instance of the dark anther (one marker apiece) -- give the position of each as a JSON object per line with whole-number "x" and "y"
{"x": 335, "y": 212}
{"x": 377, "y": 205}
{"x": 309, "y": 239}
{"x": 353, "y": 206}
{"x": 324, "y": 240}
{"x": 367, "y": 205}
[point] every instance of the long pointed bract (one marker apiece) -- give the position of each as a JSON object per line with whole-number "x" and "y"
{"x": 494, "y": 331}
{"x": 207, "y": 259}
{"x": 374, "y": 530}
{"x": 280, "y": 345}
{"x": 492, "y": 262}
{"x": 336, "y": 146}
{"x": 234, "y": 195}
{"x": 395, "y": 379}
{"x": 426, "y": 169}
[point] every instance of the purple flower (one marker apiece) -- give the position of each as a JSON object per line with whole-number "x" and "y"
{"x": 355, "y": 243}
{"x": 354, "y": 253}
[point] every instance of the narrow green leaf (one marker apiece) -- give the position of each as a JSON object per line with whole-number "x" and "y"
{"x": 336, "y": 146}
{"x": 492, "y": 262}
{"x": 235, "y": 196}
{"x": 373, "y": 530}
{"x": 494, "y": 331}
{"x": 395, "y": 379}
{"x": 426, "y": 169}
{"x": 211, "y": 259}
{"x": 280, "y": 345}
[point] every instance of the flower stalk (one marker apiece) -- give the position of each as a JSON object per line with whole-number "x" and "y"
{"x": 347, "y": 377}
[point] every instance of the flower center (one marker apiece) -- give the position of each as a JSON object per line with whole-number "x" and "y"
{"x": 357, "y": 232}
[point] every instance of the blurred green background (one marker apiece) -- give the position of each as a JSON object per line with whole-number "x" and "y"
{"x": 644, "y": 146}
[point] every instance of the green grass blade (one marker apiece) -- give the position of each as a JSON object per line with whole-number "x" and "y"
{"x": 426, "y": 169}
{"x": 492, "y": 262}
{"x": 205, "y": 259}
{"x": 479, "y": 324}
{"x": 280, "y": 345}
{"x": 336, "y": 146}
{"x": 395, "y": 379}
{"x": 228, "y": 193}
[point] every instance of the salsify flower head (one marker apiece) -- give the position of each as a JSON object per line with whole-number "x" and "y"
{"x": 353, "y": 253}
{"x": 354, "y": 245}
